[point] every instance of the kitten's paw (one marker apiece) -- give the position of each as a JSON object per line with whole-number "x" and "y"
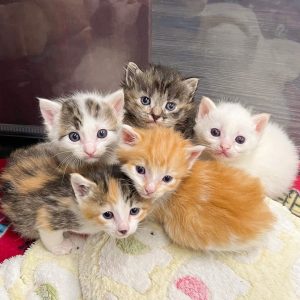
{"x": 64, "y": 248}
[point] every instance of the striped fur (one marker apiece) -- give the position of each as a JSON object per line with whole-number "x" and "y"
{"x": 162, "y": 85}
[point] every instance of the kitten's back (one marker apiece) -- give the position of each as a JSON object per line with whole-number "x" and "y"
{"x": 217, "y": 208}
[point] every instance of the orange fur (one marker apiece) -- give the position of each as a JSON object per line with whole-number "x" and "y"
{"x": 214, "y": 206}
{"x": 42, "y": 219}
{"x": 114, "y": 193}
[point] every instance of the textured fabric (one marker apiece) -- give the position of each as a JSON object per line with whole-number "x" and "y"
{"x": 147, "y": 266}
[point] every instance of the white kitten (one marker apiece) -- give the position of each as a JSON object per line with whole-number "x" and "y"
{"x": 84, "y": 127}
{"x": 237, "y": 138}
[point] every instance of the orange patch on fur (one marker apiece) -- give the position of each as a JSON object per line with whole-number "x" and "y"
{"x": 215, "y": 207}
{"x": 32, "y": 184}
{"x": 113, "y": 191}
{"x": 159, "y": 152}
{"x": 91, "y": 211}
{"x": 42, "y": 219}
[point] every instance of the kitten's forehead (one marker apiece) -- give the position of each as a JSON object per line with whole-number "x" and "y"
{"x": 114, "y": 186}
{"x": 231, "y": 117}
{"x": 83, "y": 110}
{"x": 162, "y": 83}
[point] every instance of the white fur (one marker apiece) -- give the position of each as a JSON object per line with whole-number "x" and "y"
{"x": 88, "y": 132}
{"x": 267, "y": 153}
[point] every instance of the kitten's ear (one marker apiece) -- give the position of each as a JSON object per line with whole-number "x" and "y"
{"x": 261, "y": 121}
{"x": 131, "y": 71}
{"x": 116, "y": 100}
{"x": 193, "y": 153}
{"x": 205, "y": 107}
{"x": 129, "y": 136}
{"x": 191, "y": 84}
{"x": 49, "y": 110}
{"x": 82, "y": 187}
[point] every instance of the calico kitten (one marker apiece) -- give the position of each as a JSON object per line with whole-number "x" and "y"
{"x": 159, "y": 95}
{"x": 250, "y": 142}
{"x": 84, "y": 127}
{"x": 43, "y": 202}
{"x": 201, "y": 204}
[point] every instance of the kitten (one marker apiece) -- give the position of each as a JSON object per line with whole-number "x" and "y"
{"x": 201, "y": 204}
{"x": 42, "y": 202}
{"x": 84, "y": 127}
{"x": 249, "y": 142}
{"x": 159, "y": 95}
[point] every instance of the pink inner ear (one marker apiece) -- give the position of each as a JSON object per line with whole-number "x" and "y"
{"x": 194, "y": 155}
{"x": 118, "y": 105}
{"x": 82, "y": 190}
{"x": 261, "y": 122}
{"x": 48, "y": 116}
{"x": 128, "y": 138}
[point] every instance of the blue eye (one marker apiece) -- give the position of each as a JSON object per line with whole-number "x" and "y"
{"x": 170, "y": 106}
{"x": 134, "y": 211}
{"x": 108, "y": 215}
{"x": 167, "y": 178}
{"x": 140, "y": 170}
{"x": 145, "y": 100}
{"x": 74, "y": 136}
{"x": 102, "y": 133}
{"x": 215, "y": 132}
{"x": 240, "y": 139}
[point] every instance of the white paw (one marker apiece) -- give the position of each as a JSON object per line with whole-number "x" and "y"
{"x": 64, "y": 248}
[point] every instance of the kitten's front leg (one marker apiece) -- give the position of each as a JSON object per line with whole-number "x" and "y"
{"x": 55, "y": 242}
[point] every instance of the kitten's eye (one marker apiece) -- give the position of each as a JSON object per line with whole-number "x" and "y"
{"x": 108, "y": 215}
{"x": 145, "y": 100}
{"x": 134, "y": 211}
{"x": 102, "y": 133}
{"x": 74, "y": 136}
{"x": 140, "y": 170}
{"x": 240, "y": 139}
{"x": 170, "y": 106}
{"x": 215, "y": 132}
{"x": 167, "y": 178}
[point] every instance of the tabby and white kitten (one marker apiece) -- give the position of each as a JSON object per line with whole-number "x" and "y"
{"x": 249, "y": 142}
{"x": 43, "y": 202}
{"x": 84, "y": 127}
{"x": 159, "y": 95}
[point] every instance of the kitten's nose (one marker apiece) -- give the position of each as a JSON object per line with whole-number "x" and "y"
{"x": 150, "y": 188}
{"x": 155, "y": 117}
{"x": 123, "y": 231}
{"x": 90, "y": 153}
{"x": 225, "y": 147}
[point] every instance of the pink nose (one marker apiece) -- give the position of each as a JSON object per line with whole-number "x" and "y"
{"x": 90, "y": 153}
{"x": 225, "y": 147}
{"x": 150, "y": 188}
{"x": 123, "y": 228}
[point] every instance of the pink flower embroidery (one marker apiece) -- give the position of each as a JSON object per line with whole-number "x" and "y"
{"x": 193, "y": 287}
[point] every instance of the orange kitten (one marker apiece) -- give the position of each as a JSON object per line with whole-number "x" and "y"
{"x": 201, "y": 204}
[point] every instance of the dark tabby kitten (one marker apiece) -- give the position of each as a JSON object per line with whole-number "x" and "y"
{"x": 159, "y": 95}
{"x": 42, "y": 201}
